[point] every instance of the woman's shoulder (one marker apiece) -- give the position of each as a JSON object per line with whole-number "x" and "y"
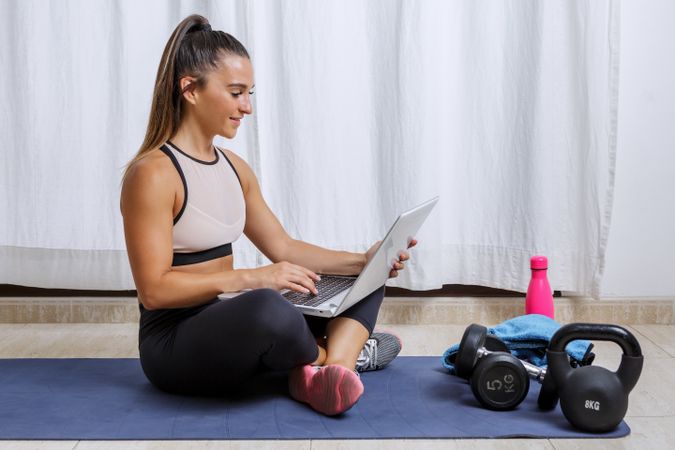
{"x": 154, "y": 161}
{"x": 153, "y": 168}
{"x": 147, "y": 185}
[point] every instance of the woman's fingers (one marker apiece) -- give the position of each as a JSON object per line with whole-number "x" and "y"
{"x": 301, "y": 284}
{"x": 305, "y": 278}
{"x": 398, "y": 265}
{"x": 285, "y": 275}
{"x": 306, "y": 283}
{"x": 297, "y": 288}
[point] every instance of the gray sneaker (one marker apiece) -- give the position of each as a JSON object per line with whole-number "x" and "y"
{"x": 380, "y": 349}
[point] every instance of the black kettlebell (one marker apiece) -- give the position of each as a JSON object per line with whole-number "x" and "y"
{"x": 593, "y": 398}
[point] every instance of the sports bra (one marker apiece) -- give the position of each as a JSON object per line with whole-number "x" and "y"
{"x": 213, "y": 212}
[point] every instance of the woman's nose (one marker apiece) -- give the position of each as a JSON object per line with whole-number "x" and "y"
{"x": 246, "y": 107}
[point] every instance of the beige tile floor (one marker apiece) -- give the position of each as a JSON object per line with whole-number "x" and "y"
{"x": 651, "y": 413}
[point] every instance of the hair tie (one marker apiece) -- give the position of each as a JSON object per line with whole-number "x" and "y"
{"x": 200, "y": 27}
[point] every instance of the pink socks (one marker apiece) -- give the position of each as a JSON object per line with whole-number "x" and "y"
{"x": 329, "y": 389}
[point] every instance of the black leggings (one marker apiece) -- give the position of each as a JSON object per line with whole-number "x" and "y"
{"x": 212, "y": 348}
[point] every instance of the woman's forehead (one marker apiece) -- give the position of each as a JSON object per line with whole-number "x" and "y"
{"x": 235, "y": 69}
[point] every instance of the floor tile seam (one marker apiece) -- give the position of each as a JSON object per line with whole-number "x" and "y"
{"x": 642, "y": 333}
{"x": 637, "y": 331}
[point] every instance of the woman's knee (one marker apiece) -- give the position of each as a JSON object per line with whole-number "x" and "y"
{"x": 274, "y": 314}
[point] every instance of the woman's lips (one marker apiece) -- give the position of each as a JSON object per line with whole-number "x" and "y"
{"x": 235, "y": 121}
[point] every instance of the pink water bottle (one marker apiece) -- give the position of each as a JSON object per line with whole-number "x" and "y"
{"x": 539, "y": 299}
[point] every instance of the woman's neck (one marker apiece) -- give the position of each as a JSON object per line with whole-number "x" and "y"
{"x": 193, "y": 141}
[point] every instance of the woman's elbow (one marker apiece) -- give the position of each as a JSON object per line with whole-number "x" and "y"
{"x": 151, "y": 291}
{"x": 149, "y": 298}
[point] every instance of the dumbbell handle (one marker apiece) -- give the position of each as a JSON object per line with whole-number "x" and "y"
{"x": 538, "y": 373}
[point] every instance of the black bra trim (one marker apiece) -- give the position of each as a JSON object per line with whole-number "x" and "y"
{"x": 171, "y": 156}
{"x": 231, "y": 165}
{"x": 208, "y": 163}
{"x": 182, "y": 259}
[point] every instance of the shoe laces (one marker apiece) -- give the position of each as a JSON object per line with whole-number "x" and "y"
{"x": 368, "y": 356}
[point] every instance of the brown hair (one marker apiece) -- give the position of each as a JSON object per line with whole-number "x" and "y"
{"x": 192, "y": 50}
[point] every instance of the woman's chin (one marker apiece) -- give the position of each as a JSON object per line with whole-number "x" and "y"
{"x": 228, "y": 134}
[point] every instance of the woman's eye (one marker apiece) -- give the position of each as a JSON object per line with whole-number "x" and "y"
{"x": 237, "y": 94}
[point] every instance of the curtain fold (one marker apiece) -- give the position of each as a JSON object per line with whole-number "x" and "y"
{"x": 506, "y": 110}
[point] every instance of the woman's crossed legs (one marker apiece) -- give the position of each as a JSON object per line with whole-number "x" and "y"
{"x": 227, "y": 342}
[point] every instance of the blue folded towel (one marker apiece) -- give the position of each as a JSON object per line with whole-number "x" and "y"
{"x": 527, "y": 338}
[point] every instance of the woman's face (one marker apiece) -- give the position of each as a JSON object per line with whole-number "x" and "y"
{"x": 222, "y": 103}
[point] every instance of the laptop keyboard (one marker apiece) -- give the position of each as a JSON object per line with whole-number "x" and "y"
{"x": 327, "y": 286}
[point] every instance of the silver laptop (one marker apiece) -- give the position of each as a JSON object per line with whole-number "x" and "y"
{"x": 338, "y": 293}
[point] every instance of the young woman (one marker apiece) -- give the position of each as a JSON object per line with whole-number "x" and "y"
{"x": 184, "y": 202}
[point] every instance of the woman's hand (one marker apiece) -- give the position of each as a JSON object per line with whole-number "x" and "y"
{"x": 284, "y": 275}
{"x": 402, "y": 256}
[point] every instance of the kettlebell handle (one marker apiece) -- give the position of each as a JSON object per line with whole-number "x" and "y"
{"x": 595, "y": 331}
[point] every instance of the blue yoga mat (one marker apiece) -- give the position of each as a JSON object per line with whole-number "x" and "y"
{"x": 414, "y": 397}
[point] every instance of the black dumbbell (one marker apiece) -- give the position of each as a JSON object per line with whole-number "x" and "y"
{"x": 466, "y": 360}
{"x": 499, "y": 380}
{"x": 594, "y": 398}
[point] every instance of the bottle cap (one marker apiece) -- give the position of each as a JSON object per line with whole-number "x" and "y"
{"x": 538, "y": 262}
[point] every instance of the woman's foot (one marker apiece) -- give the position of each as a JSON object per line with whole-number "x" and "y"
{"x": 329, "y": 389}
{"x": 380, "y": 349}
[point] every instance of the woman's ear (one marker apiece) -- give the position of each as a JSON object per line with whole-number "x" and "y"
{"x": 187, "y": 88}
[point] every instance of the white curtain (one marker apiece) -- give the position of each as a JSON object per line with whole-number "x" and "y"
{"x": 505, "y": 109}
